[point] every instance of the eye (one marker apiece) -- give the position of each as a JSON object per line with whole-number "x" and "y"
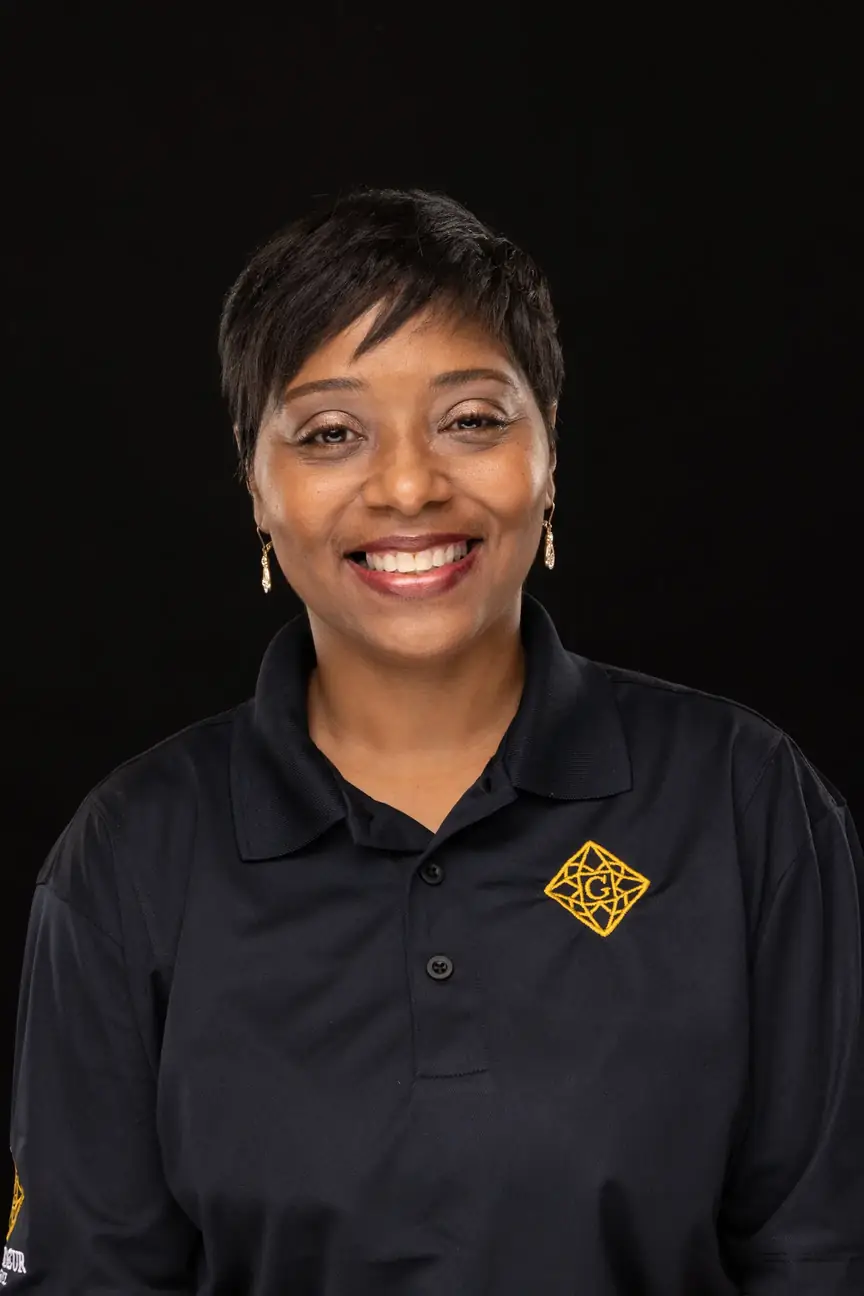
{"x": 475, "y": 422}
{"x": 329, "y": 430}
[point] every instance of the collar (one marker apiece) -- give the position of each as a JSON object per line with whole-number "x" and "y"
{"x": 566, "y": 741}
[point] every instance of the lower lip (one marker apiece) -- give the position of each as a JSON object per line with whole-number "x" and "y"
{"x": 407, "y": 585}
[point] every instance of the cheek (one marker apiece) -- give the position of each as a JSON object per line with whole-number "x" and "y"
{"x": 512, "y": 485}
{"x": 300, "y": 509}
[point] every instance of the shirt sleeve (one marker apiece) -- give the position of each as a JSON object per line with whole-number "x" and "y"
{"x": 91, "y": 1211}
{"x": 791, "y": 1219}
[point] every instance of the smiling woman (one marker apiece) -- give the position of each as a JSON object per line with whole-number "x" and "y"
{"x": 452, "y": 961}
{"x": 390, "y": 360}
{"x": 393, "y": 372}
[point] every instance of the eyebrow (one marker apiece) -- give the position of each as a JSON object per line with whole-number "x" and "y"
{"x": 322, "y": 385}
{"x": 452, "y": 378}
{"x": 455, "y": 377}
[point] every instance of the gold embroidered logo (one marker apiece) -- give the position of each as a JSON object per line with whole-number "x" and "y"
{"x": 597, "y": 888}
{"x": 17, "y": 1200}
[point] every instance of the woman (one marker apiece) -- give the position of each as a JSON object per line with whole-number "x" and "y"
{"x": 452, "y": 963}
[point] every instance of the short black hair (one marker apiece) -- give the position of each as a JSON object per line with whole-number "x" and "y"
{"x": 407, "y": 249}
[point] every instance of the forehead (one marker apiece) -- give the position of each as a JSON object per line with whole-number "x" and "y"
{"x": 430, "y": 342}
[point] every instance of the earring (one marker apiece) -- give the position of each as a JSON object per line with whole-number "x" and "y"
{"x": 266, "y": 582}
{"x": 549, "y": 555}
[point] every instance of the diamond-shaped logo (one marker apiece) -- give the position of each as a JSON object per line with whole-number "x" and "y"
{"x": 17, "y": 1199}
{"x": 597, "y": 888}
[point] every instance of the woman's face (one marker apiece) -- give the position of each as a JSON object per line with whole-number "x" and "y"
{"x": 405, "y": 441}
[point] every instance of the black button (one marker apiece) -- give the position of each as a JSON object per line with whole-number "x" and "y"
{"x": 440, "y": 967}
{"x": 432, "y": 873}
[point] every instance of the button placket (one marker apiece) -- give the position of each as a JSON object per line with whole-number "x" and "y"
{"x": 446, "y": 995}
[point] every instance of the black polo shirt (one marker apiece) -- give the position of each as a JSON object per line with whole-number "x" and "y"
{"x": 600, "y": 1033}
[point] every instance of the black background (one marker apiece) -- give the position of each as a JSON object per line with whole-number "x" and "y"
{"x": 693, "y": 193}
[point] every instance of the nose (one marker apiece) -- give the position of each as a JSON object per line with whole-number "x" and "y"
{"x": 406, "y": 473}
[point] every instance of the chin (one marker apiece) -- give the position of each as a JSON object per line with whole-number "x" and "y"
{"x": 420, "y": 634}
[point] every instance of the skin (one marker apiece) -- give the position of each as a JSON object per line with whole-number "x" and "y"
{"x": 423, "y": 690}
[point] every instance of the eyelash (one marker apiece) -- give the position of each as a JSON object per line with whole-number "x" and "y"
{"x": 491, "y": 420}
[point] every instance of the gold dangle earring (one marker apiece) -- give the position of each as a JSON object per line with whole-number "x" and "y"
{"x": 266, "y": 582}
{"x": 549, "y": 555}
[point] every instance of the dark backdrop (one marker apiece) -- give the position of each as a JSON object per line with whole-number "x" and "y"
{"x": 692, "y": 192}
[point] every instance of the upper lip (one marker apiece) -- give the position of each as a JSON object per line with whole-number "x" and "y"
{"x": 411, "y": 544}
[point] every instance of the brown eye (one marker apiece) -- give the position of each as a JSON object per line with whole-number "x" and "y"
{"x": 329, "y": 431}
{"x": 476, "y": 422}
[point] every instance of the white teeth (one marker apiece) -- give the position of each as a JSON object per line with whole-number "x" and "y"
{"x": 417, "y": 562}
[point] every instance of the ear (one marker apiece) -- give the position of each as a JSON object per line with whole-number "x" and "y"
{"x": 553, "y": 453}
{"x": 235, "y": 427}
{"x": 261, "y": 520}
{"x": 551, "y": 417}
{"x": 257, "y": 503}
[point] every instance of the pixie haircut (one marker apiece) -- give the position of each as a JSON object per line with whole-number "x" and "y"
{"x": 404, "y": 250}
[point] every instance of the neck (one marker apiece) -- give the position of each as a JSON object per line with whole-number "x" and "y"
{"x": 432, "y": 711}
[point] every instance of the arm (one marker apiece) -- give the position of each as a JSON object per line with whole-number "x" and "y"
{"x": 791, "y": 1218}
{"x": 96, "y": 1215}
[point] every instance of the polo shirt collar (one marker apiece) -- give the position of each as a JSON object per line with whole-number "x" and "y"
{"x": 566, "y": 741}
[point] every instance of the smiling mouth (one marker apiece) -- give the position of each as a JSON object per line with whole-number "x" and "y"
{"x": 359, "y": 557}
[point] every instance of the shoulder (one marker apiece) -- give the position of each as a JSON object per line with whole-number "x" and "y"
{"x": 649, "y": 694}
{"x": 665, "y": 720}
{"x": 659, "y": 713}
{"x": 132, "y": 837}
{"x": 174, "y": 773}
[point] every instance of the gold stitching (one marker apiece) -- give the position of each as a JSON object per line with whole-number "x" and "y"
{"x": 17, "y": 1200}
{"x": 599, "y": 895}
